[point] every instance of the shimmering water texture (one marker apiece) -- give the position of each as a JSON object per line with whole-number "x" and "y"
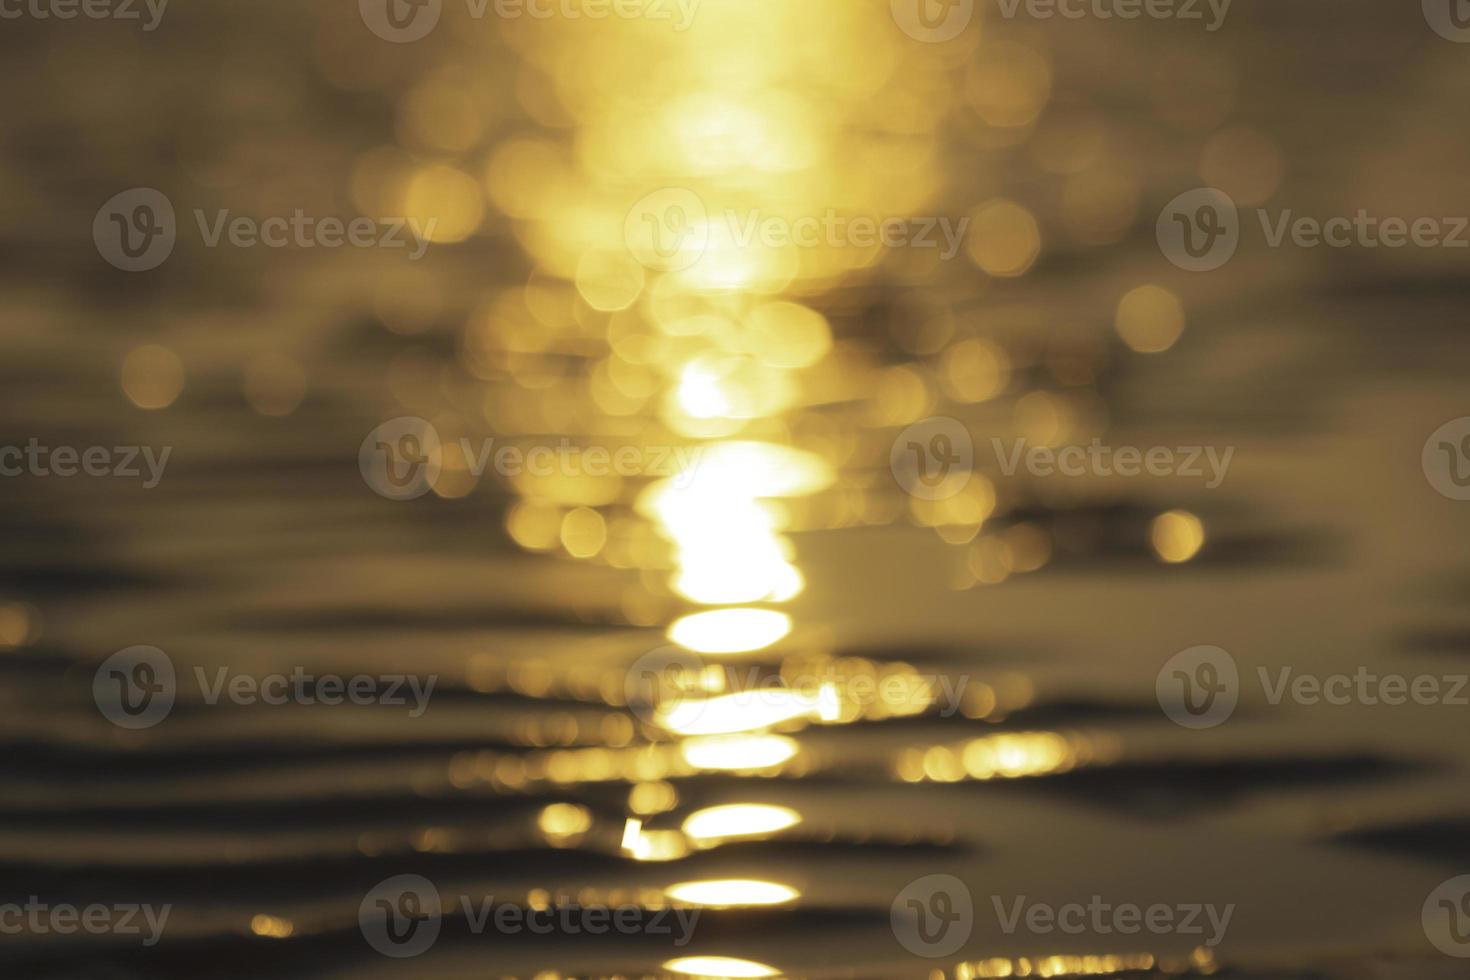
{"x": 747, "y": 606}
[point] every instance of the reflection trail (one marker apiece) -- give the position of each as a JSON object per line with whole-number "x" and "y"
{"x": 713, "y": 336}
{"x": 682, "y": 145}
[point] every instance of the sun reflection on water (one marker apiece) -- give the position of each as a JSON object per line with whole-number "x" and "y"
{"x": 660, "y": 320}
{"x": 718, "y": 823}
{"x": 1006, "y": 756}
{"x": 738, "y": 752}
{"x": 730, "y": 630}
{"x": 720, "y": 966}
{"x": 732, "y": 893}
{"x": 745, "y": 712}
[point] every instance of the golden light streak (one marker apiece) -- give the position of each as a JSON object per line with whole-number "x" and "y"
{"x": 719, "y": 967}
{"x": 746, "y": 711}
{"x": 718, "y": 823}
{"x": 730, "y": 630}
{"x": 732, "y": 892}
{"x": 1009, "y": 756}
{"x": 737, "y": 752}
